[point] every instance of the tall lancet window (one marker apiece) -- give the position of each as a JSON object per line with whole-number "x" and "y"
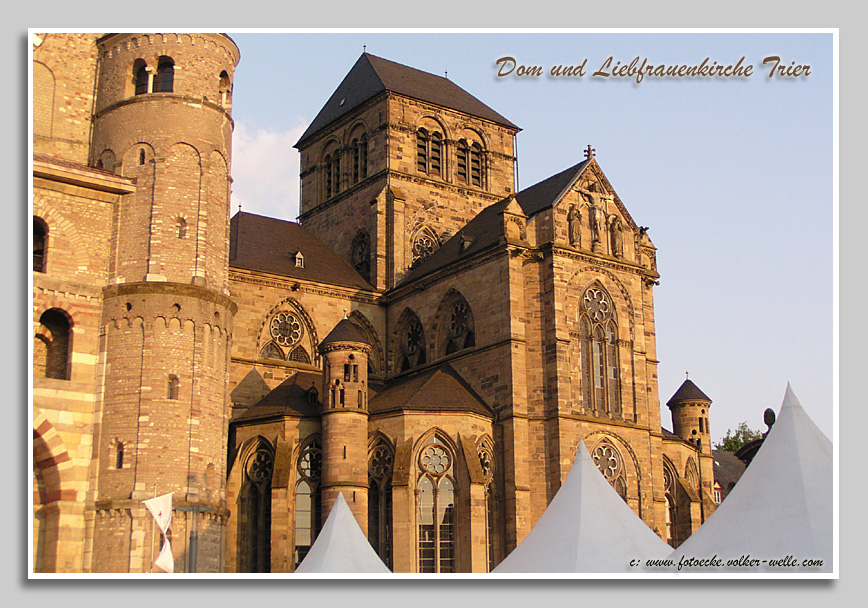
{"x": 600, "y": 373}
{"x": 436, "y": 503}
{"x": 254, "y": 553}
{"x": 308, "y": 504}
{"x": 380, "y": 465}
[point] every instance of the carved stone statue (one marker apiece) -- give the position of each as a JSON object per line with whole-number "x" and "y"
{"x": 594, "y": 220}
{"x": 617, "y": 237}
{"x": 574, "y": 218}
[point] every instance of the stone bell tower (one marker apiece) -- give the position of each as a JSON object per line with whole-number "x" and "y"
{"x": 163, "y": 118}
{"x": 345, "y": 419}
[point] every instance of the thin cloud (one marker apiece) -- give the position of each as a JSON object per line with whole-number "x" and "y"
{"x": 265, "y": 170}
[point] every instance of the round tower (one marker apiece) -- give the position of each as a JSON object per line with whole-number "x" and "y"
{"x": 690, "y": 410}
{"x": 162, "y": 117}
{"x": 345, "y": 419}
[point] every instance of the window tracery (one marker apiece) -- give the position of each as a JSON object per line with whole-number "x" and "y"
{"x": 255, "y": 511}
{"x": 412, "y": 343}
{"x": 436, "y": 504}
{"x": 600, "y": 374}
{"x": 459, "y": 327}
{"x": 423, "y": 244}
{"x": 610, "y": 463}
{"x": 308, "y": 504}
{"x": 285, "y": 328}
{"x": 361, "y": 254}
{"x": 380, "y": 465}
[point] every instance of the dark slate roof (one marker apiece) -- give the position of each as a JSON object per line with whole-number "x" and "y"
{"x": 373, "y": 75}
{"x": 727, "y": 469}
{"x": 267, "y": 244}
{"x": 484, "y": 230}
{"x": 439, "y": 389}
{"x": 289, "y": 398}
{"x": 688, "y": 392}
{"x": 547, "y": 192}
{"x": 345, "y": 331}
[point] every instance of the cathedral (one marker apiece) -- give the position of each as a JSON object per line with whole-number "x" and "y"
{"x": 425, "y": 340}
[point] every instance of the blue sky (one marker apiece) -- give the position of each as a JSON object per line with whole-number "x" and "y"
{"x": 733, "y": 176}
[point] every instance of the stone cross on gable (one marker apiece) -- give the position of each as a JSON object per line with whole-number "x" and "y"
{"x": 589, "y": 152}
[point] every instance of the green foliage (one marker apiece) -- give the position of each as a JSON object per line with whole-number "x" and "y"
{"x": 732, "y": 441}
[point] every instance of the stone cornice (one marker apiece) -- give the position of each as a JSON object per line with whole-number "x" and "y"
{"x": 254, "y": 277}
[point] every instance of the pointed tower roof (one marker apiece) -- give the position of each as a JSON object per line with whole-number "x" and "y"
{"x": 782, "y": 505}
{"x": 345, "y": 331}
{"x": 341, "y": 546}
{"x": 688, "y": 391}
{"x": 586, "y": 528}
{"x": 372, "y": 75}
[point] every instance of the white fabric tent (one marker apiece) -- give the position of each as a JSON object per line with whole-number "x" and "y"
{"x": 587, "y": 527}
{"x": 341, "y": 546}
{"x": 782, "y": 505}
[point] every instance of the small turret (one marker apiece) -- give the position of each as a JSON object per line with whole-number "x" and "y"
{"x": 690, "y": 408}
{"x": 345, "y": 419}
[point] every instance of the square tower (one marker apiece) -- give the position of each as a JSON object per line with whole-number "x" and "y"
{"x": 396, "y": 162}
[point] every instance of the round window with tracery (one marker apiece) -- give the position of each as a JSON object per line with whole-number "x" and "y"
{"x": 380, "y": 465}
{"x": 608, "y": 460}
{"x": 597, "y": 304}
{"x": 310, "y": 462}
{"x": 413, "y": 337}
{"x": 285, "y": 328}
{"x": 435, "y": 460}
{"x": 259, "y": 467}
{"x": 458, "y": 319}
{"x": 423, "y": 246}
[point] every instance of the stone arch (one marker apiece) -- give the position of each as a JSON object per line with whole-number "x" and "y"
{"x": 309, "y": 338}
{"x": 136, "y": 159}
{"x": 691, "y": 474}
{"x": 375, "y": 358}
{"x": 408, "y": 344}
{"x": 64, "y": 234}
{"x": 454, "y": 328}
{"x": 634, "y": 485}
{"x": 578, "y": 283}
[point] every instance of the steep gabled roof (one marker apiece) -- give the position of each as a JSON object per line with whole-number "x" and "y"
{"x": 373, "y": 75}
{"x": 269, "y": 245}
{"x": 289, "y": 398}
{"x": 439, "y": 389}
{"x": 484, "y": 230}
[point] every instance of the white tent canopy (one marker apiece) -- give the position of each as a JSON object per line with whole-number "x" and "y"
{"x": 781, "y": 506}
{"x": 341, "y": 546}
{"x": 587, "y": 527}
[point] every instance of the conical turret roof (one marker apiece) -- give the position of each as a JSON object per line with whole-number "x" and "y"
{"x": 345, "y": 331}
{"x": 688, "y": 391}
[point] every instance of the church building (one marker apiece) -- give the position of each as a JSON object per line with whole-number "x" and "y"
{"x": 425, "y": 340}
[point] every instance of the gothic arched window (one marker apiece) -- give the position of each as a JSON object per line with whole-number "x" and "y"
{"x": 485, "y": 451}
{"x": 423, "y": 244}
{"x": 436, "y": 504}
{"x": 361, "y": 254}
{"x": 671, "y": 536}
{"x": 380, "y": 465}
{"x": 608, "y": 459}
{"x": 308, "y": 504}
{"x": 411, "y": 344}
{"x": 254, "y": 553}
{"x": 458, "y": 331}
{"x": 598, "y": 330}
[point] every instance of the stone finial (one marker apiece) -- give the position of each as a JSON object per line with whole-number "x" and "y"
{"x": 589, "y": 152}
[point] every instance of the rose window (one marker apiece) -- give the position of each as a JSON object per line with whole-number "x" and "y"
{"x": 285, "y": 328}
{"x": 597, "y": 304}
{"x": 259, "y": 467}
{"x": 380, "y": 465}
{"x": 435, "y": 460}
{"x": 608, "y": 461}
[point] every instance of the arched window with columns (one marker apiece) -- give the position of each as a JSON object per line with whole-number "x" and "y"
{"x": 600, "y": 365}
{"x": 436, "y": 500}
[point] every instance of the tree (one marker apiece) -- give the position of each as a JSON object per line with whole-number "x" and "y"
{"x": 733, "y": 441}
